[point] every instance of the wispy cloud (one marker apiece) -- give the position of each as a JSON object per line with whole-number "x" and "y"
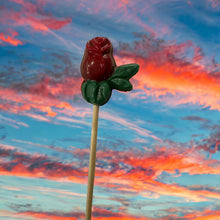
{"x": 12, "y": 122}
{"x": 133, "y": 12}
{"x": 129, "y": 125}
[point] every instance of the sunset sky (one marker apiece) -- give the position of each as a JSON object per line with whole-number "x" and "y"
{"x": 158, "y": 152}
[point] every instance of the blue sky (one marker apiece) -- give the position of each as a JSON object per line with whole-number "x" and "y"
{"x": 158, "y": 145}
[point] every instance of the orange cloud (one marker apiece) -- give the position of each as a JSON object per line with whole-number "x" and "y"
{"x": 188, "y": 87}
{"x": 70, "y": 216}
{"x": 144, "y": 170}
{"x": 172, "y": 160}
{"x": 98, "y": 214}
{"x": 102, "y": 214}
{"x": 138, "y": 173}
{"x": 167, "y": 76}
{"x": 138, "y": 183}
{"x": 10, "y": 39}
{"x": 36, "y": 166}
{"x": 48, "y": 216}
{"x": 206, "y": 214}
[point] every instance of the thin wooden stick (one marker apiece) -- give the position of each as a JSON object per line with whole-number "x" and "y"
{"x": 92, "y": 162}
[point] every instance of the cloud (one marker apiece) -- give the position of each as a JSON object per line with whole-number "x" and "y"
{"x": 38, "y": 166}
{"x": 214, "y": 3}
{"x": 122, "y": 171}
{"x": 139, "y": 174}
{"x": 168, "y": 74}
{"x": 131, "y": 12}
{"x": 50, "y": 98}
{"x": 190, "y": 214}
{"x": 206, "y": 214}
{"x": 133, "y": 172}
{"x": 12, "y": 122}
{"x": 195, "y": 118}
{"x": 103, "y": 214}
{"x": 31, "y": 15}
{"x": 42, "y": 97}
{"x": 10, "y": 38}
{"x": 98, "y": 214}
{"x": 52, "y": 215}
{"x": 210, "y": 144}
{"x": 129, "y": 125}
{"x": 58, "y": 149}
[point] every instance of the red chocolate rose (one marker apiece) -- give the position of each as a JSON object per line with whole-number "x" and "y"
{"x": 98, "y": 63}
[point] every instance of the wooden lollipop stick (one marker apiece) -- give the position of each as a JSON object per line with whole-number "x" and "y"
{"x": 92, "y": 162}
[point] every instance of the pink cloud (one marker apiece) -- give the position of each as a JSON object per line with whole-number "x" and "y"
{"x": 41, "y": 97}
{"x": 29, "y": 16}
{"x": 214, "y": 3}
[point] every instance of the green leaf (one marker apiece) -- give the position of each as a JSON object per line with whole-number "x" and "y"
{"x": 104, "y": 93}
{"x": 89, "y": 89}
{"x": 121, "y": 84}
{"x": 97, "y": 93}
{"x": 125, "y": 71}
{"x": 83, "y": 89}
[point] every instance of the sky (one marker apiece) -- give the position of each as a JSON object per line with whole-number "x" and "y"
{"x": 158, "y": 150}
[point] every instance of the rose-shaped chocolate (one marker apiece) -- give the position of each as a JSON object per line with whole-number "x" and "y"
{"x": 98, "y": 63}
{"x": 100, "y": 73}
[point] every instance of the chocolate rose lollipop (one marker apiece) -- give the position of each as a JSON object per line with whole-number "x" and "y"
{"x": 101, "y": 75}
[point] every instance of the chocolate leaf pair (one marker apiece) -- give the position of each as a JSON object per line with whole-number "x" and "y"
{"x": 98, "y": 93}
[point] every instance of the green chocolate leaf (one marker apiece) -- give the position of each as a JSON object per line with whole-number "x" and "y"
{"x": 121, "y": 84}
{"x": 83, "y": 89}
{"x": 104, "y": 93}
{"x": 89, "y": 90}
{"x": 97, "y": 93}
{"x": 125, "y": 71}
